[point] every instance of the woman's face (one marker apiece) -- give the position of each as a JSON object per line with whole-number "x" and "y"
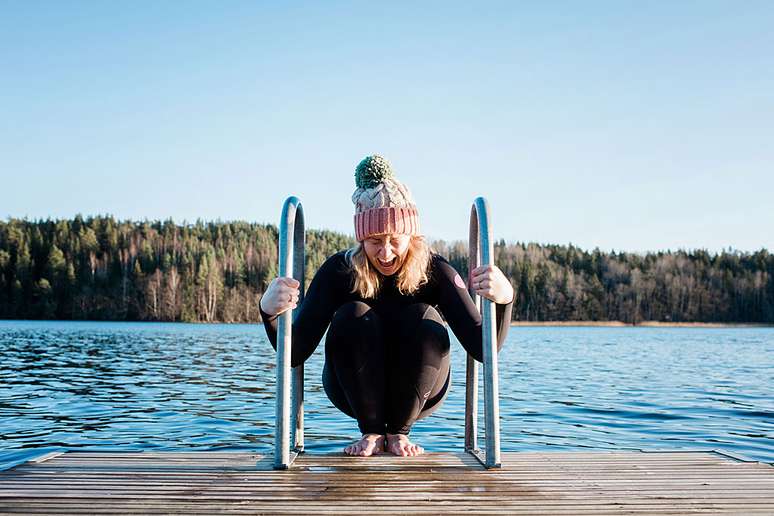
{"x": 387, "y": 252}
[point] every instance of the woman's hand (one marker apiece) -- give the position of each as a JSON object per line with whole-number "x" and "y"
{"x": 282, "y": 295}
{"x": 489, "y": 281}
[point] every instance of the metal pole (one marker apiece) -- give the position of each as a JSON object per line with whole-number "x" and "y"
{"x": 471, "y": 366}
{"x": 485, "y": 250}
{"x": 291, "y": 230}
{"x": 471, "y": 404}
{"x": 299, "y": 272}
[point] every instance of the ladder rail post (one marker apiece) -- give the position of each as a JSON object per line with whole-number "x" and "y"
{"x": 299, "y": 272}
{"x": 485, "y": 256}
{"x": 291, "y": 230}
{"x": 471, "y": 366}
{"x": 471, "y": 404}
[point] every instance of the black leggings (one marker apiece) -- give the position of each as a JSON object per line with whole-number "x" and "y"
{"x": 386, "y": 383}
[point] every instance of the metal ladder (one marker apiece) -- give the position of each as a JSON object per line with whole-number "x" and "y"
{"x": 289, "y": 425}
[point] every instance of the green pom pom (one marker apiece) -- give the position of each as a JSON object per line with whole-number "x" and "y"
{"x": 372, "y": 171}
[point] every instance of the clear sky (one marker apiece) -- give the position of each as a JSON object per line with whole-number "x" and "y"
{"x": 624, "y": 125}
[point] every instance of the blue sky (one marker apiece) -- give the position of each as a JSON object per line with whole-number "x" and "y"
{"x": 622, "y": 125}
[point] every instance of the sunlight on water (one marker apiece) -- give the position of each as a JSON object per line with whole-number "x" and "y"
{"x": 144, "y": 386}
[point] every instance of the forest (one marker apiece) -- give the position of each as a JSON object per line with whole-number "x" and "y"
{"x": 99, "y": 268}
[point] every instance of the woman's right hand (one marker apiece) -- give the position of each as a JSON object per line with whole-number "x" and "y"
{"x": 282, "y": 295}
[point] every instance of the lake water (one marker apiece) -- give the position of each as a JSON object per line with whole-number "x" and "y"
{"x": 146, "y": 386}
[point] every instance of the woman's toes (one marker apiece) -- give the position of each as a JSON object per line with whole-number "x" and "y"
{"x": 401, "y": 446}
{"x": 413, "y": 450}
{"x": 367, "y": 445}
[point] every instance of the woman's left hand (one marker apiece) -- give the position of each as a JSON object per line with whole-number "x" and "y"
{"x": 489, "y": 281}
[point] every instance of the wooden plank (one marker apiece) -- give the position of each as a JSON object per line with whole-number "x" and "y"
{"x": 283, "y": 491}
{"x": 408, "y": 468}
{"x": 394, "y": 474}
{"x": 520, "y": 504}
{"x": 430, "y": 511}
{"x": 94, "y": 502}
{"x": 97, "y": 505}
{"x": 645, "y": 477}
{"x": 335, "y": 499}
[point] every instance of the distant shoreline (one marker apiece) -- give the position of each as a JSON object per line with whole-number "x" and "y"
{"x": 643, "y": 324}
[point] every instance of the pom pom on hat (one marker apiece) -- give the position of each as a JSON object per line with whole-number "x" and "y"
{"x": 371, "y": 171}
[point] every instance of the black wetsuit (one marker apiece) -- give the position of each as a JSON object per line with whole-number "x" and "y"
{"x": 387, "y": 358}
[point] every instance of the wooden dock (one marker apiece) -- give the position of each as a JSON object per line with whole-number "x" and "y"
{"x": 437, "y": 483}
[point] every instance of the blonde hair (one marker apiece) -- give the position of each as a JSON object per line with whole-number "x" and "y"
{"x": 412, "y": 274}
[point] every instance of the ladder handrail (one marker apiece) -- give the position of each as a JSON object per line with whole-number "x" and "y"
{"x": 291, "y": 231}
{"x": 481, "y": 252}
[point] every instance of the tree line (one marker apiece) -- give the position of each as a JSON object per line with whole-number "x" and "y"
{"x": 99, "y": 268}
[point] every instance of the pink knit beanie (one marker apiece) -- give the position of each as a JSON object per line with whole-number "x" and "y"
{"x": 382, "y": 203}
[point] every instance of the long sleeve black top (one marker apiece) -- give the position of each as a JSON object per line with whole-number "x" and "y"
{"x": 332, "y": 287}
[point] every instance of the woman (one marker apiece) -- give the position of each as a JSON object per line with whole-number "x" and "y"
{"x": 387, "y": 349}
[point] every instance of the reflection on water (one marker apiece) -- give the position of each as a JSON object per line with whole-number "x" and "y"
{"x": 170, "y": 386}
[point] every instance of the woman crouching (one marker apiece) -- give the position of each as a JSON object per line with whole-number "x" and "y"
{"x": 387, "y": 348}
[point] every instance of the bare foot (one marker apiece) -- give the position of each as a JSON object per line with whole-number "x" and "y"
{"x": 369, "y": 444}
{"x": 400, "y": 445}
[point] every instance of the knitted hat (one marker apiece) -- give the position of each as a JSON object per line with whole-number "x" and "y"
{"x": 382, "y": 203}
